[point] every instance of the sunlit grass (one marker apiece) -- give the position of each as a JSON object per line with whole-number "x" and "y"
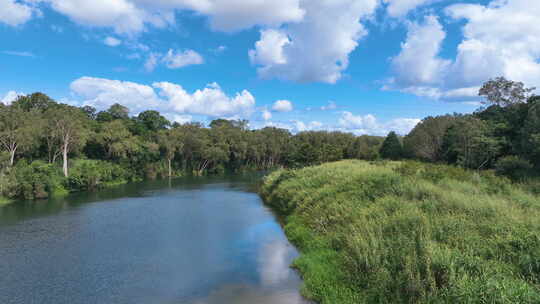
{"x": 392, "y": 232}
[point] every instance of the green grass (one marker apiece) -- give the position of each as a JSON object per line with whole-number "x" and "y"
{"x": 5, "y": 201}
{"x": 392, "y": 232}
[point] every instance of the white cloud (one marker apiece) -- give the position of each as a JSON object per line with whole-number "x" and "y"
{"x": 317, "y": 48}
{"x": 502, "y": 38}
{"x": 234, "y": 15}
{"x": 266, "y": 115}
{"x": 211, "y": 101}
{"x": 330, "y": 106}
{"x": 499, "y": 39}
{"x": 134, "y": 16}
{"x": 175, "y": 60}
{"x": 417, "y": 63}
{"x": 14, "y": 13}
{"x": 20, "y": 54}
{"x": 400, "y": 8}
{"x": 151, "y": 62}
{"x": 111, "y": 41}
{"x": 168, "y": 98}
{"x": 368, "y": 124}
{"x": 103, "y": 93}
{"x": 10, "y": 97}
{"x": 182, "y": 119}
{"x": 282, "y": 106}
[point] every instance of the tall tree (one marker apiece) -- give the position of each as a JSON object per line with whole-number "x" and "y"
{"x": 170, "y": 141}
{"x": 68, "y": 125}
{"x": 426, "y": 139}
{"x": 503, "y": 92}
{"x": 391, "y": 147}
{"x": 19, "y": 130}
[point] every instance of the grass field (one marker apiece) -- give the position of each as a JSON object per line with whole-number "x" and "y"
{"x": 406, "y": 232}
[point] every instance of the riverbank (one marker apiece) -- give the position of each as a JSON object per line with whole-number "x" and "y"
{"x": 404, "y": 232}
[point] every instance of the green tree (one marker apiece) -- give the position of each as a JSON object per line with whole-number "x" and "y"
{"x": 503, "y": 92}
{"x": 68, "y": 127}
{"x": 391, "y": 148}
{"x": 170, "y": 142}
{"x": 19, "y": 130}
{"x": 426, "y": 139}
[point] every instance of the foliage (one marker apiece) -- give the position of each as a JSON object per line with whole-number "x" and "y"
{"x": 514, "y": 167}
{"x": 89, "y": 174}
{"x": 391, "y": 147}
{"x": 37, "y": 180}
{"x": 408, "y": 232}
{"x": 503, "y": 92}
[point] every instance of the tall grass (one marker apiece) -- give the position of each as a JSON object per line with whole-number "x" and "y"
{"x": 392, "y": 232}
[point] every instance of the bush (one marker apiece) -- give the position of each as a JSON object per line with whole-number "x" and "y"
{"x": 88, "y": 174}
{"x": 513, "y": 167}
{"x": 37, "y": 180}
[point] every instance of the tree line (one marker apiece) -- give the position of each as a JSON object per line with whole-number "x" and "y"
{"x": 504, "y": 134}
{"x": 50, "y": 147}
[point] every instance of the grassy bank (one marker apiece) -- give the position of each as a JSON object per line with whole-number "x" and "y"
{"x": 409, "y": 233}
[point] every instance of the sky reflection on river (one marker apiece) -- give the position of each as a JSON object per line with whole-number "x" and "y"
{"x": 195, "y": 242}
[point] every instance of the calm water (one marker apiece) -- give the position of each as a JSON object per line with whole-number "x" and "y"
{"x": 193, "y": 241}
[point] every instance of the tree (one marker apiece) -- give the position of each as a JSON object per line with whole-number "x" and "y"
{"x": 391, "y": 147}
{"x": 503, "y": 92}
{"x": 469, "y": 143}
{"x": 116, "y": 139}
{"x": 170, "y": 141}
{"x": 153, "y": 121}
{"x": 18, "y": 130}
{"x": 67, "y": 125}
{"x": 426, "y": 139}
{"x": 118, "y": 111}
{"x": 36, "y": 101}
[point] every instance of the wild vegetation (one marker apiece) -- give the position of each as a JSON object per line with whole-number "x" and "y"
{"x": 409, "y": 232}
{"x": 52, "y": 148}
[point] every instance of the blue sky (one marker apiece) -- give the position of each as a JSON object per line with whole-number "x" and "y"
{"x": 363, "y": 66}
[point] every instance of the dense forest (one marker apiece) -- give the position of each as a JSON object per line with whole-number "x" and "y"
{"x": 52, "y": 148}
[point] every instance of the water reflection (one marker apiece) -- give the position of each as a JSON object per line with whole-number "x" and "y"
{"x": 196, "y": 241}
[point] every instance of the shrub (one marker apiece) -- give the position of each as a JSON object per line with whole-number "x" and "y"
{"x": 37, "y": 180}
{"x": 87, "y": 174}
{"x": 513, "y": 167}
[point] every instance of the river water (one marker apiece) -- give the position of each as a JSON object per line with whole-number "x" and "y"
{"x": 190, "y": 240}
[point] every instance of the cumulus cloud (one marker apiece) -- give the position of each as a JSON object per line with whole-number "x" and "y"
{"x": 111, "y": 41}
{"x": 169, "y": 98}
{"x": 330, "y": 106}
{"x": 10, "y": 97}
{"x": 499, "y": 39}
{"x": 134, "y": 16}
{"x": 14, "y": 13}
{"x": 400, "y": 8}
{"x": 211, "y": 101}
{"x": 417, "y": 63}
{"x": 368, "y": 124}
{"x": 317, "y": 48}
{"x": 266, "y": 115}
{"x": 175, "y": 60}
{"x": 282, "y": 106}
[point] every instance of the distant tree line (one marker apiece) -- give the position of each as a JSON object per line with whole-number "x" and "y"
{"x": 504, "y": 134}
{"x": 49, "y": 147}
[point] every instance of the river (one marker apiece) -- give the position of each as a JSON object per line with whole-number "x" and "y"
{"x": 189, "y": 240}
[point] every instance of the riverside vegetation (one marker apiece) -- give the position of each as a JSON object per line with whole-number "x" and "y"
{"x": 409, "y": 232}
{"x": 48, "y": 148}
